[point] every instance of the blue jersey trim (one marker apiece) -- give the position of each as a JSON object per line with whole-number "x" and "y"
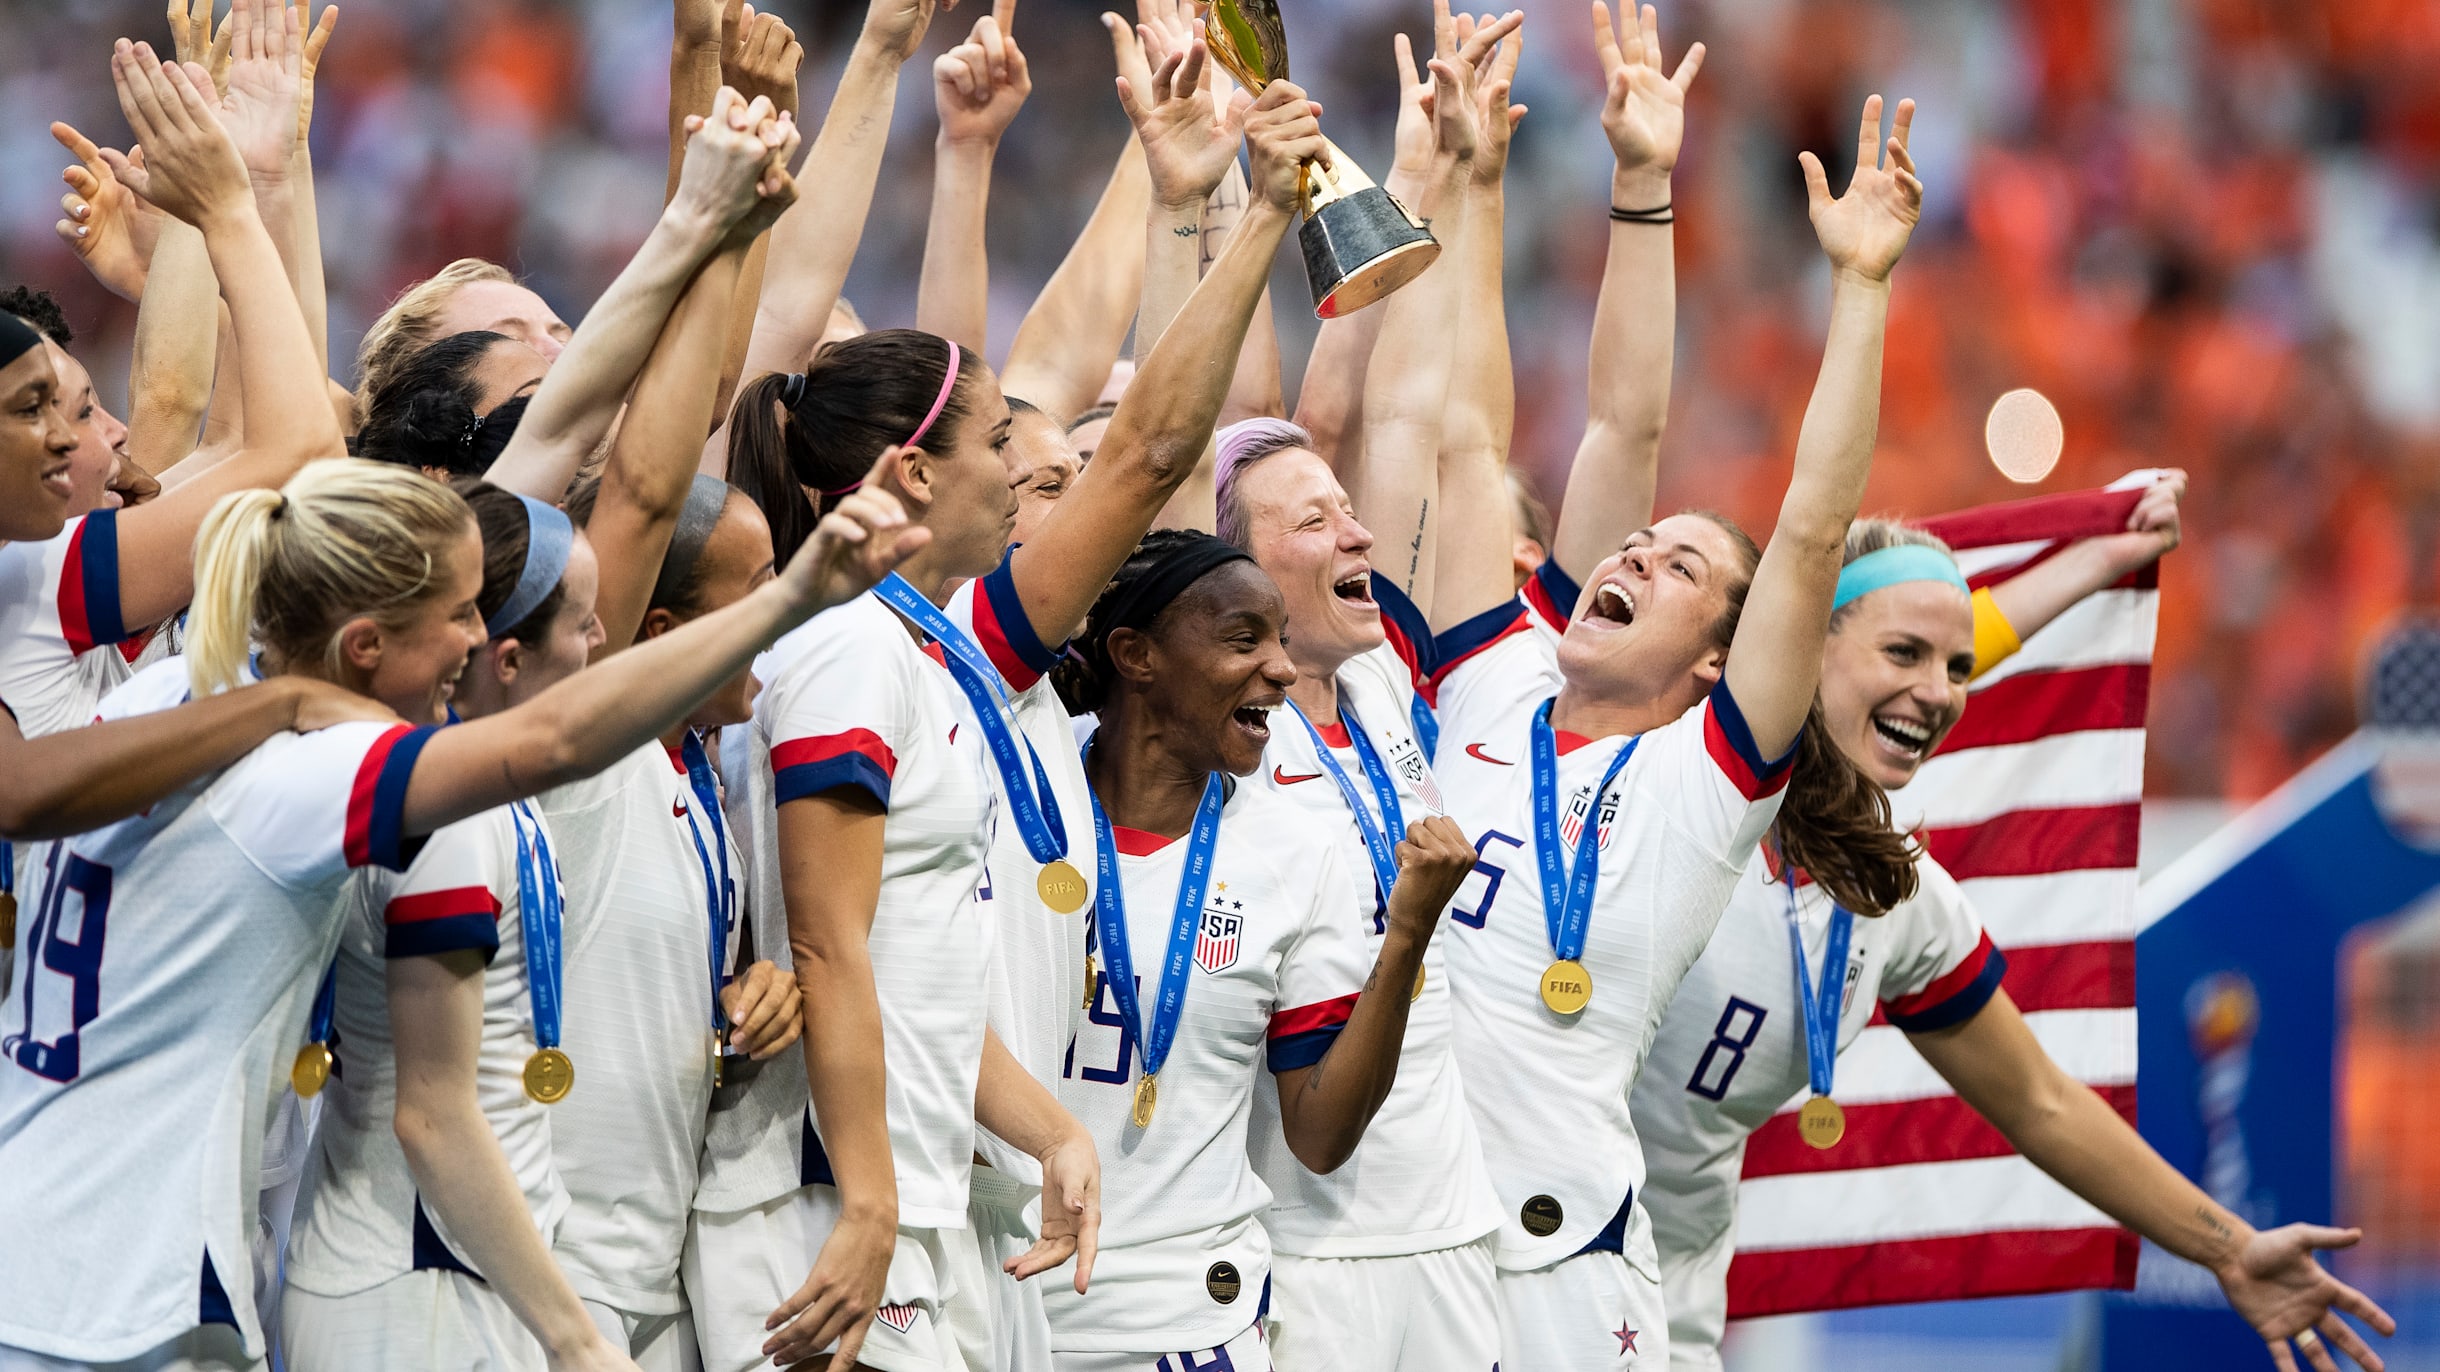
{"x": 1009, "y": 610}
{"x": 1613, "y": 1236}
{"x": 1289, "y": 1052}
{"x": 1962, "y": 1006}
{"x": 386, "y": 839}
{"x": 846, "y": 769}
{"x": 816, "y": 1168}
{"x": 98, "y": 549}
{"x": 453, "y": 934}
{"x": 429, "y": 1249}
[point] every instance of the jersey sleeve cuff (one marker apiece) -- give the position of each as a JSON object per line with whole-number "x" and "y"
{"x": 1995, "y": 639}
{"x": 1408, "y": 632}
{"x": 89, "y": 613}
{"x": 1299, "y": 1037}
{"x": 1956, "y": 996}
{"x": 809, "y": 766}
{"x": 377, "y": 802}
{"x": 1469, "y": 639}
{"x": 1552, "y": 594}
{"x": 1730, "y": 741}
{"x": 428, "y": 922}
{"x": 1005, "y": 632}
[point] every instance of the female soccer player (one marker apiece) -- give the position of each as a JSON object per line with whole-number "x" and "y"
{"x": 1901, "y": 650}
{"x": 1619, "y": 779}
{"x": 1227, "y": 930}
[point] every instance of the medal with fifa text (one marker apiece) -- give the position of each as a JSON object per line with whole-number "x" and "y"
{"x": 549, "y": 1075}
{"x": 1567, "y": 897}
{"x": 719, "y": 888}
{"x": 1031, "y": 803}
{"x": 1820, "y": 1122}
{"x": 1153, "y": 1040}
{"x": 311, "y": 1071}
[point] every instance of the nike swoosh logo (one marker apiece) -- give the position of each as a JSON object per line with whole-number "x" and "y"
{"x": 677, "y": 809}
{"x": 1475, "y": 751}
{"x": 1279, "y": 776}
{"x": 953, "y": 734}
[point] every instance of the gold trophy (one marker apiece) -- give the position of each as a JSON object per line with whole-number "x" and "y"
{"x": 1361, "y": 242}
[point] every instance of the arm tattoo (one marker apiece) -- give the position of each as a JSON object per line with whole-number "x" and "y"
{"x": 1187, "y": 230}
{"x": 1414, "y": 562}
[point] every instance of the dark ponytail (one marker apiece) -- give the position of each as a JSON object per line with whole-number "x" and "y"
{"x": 823, "y": 428}
{"x": 423, "y": 415}
{"x": 1084, "y": 677}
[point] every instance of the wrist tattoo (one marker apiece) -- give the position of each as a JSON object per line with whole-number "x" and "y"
{"x": 1188, "y": 231}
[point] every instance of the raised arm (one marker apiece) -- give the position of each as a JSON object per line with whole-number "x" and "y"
{"x": 601, "y": 714}
{"x": 1610, "y": 488}
{"x": 2064, "y": 1128}
{"x": 1473, "y": 562}
{"x": 1165, "y": 83}
{"x": 978, "y": 86}
{"x": 762, "y": 61}
{"x": 1068, "y": 341}
{"x": 813, "y": 245}
{"x": 653, "y": 459}
{"x": 1775, "y": 660}
{"x": 1164, "y": 422}
{"x": 587, "y": 385}
{"x": 305, "y": 249}
{"x": 192, "y": 170}
{"x": 2041, "y": 593}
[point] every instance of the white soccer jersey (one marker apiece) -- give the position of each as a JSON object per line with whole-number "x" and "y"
{"x": 137, "y": 1072}
{"x": 853, "y": 702}
{"x": 59, "y": 603}
{"x": 1037, "y": 954}
{"x": 638, "y": 1021}
{"x": 754, "y": 1143}
{"x": 1731, "y": 1053}
{"x": 1417, "y": 1182}
{"x": 1549, "y": 1092}
{"x": 360, "y": 1221}
{"x": 1278, "y": 962}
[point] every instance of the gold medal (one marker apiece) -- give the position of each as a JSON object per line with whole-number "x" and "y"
{"x": 1146, "y": 1096}
{"x": 1566, "y": 987}
{"x": 1821, "y": 1122}
{"x": 1089, "y": 987}
{"x": 312, "y": 1069}
{"x": 719, "y": 1059}
{"x": 1061, "y": 887}
{"x": 1417, "y": 993}
{"x": 8, "y": 920}
{"x": 549, "y": 1076}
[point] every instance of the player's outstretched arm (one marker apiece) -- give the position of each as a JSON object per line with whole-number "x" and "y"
{"x": 2068, "y": 1131}
{"x": 1068, "y": 341}
{"x": 1024, "y": 1114}
{"x": 436, "y": 1009}
{"x": 1324, "y": 1109}
{"x": 601, "y": 714}
{"x": 978, "y": 87}
{"x": 1164, "y": 422}
{"x": 1775, "y": 660}
{"x": 2024, "y": 603}
{"x": 725, "y": 178}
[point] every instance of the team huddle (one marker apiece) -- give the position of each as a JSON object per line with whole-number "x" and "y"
{"x": 722, "y": 836}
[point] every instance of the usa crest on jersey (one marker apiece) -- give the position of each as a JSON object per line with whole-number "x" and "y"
{"x": 1571, "y": 825}
{"x": 1406, "y": 758}
{"x": 900, "y": 1316}
{"x": 1216, "y": 936}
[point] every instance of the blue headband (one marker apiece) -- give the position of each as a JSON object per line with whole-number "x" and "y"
{"x": 548, "y": 539}
{"x": 1895, "y": 566}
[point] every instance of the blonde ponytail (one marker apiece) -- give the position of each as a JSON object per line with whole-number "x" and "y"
{"x": 344, "y": 539}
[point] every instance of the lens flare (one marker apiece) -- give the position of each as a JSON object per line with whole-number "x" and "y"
{"x": 2024, "y": 435}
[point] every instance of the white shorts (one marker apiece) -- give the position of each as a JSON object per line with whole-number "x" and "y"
{"x": 1589, "y": 1313}
{"x": 1422, "y": 1312}
{"x": 423, "y": 1320}
{"x": 1245, "y": 1353}
{"x": 211, "y": 1348}
{"x": 737, "y": 1268}
{"x": 657, "y": 1343}
{"x": 997, "y": 1321}
{"x": 908, "y": 1334}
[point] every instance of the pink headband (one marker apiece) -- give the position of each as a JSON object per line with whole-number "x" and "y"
{"x": 939, "y": 402}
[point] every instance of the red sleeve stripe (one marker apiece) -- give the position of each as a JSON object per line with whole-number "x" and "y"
{"x": 1408, "y": 632}
{"x": 1304, "y": 1019}
{"x": 1553, "y": 594}
{"x": 1731, "y": 745}
{"x": 804, "y": 767}
{"x": 419, "y": 906}
{"x": 89, "y": 584}
{"x": 377, "y": 800}
{"x": 1007, "y": 636}
{"x": 1955, "y": 996}
{"x": 430, "y": 922}
{"x": 1475, "y": 636}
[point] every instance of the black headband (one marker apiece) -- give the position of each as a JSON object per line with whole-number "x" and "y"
{"x": 1139, "y": 602}
{"x": 17, "y": 338}
{"x": 696, "y": 520}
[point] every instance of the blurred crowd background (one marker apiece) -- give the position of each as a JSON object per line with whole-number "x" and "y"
{"x": 2204, "y": 228}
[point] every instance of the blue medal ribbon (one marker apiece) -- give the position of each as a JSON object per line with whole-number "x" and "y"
{"x": 1567, "y": 899}
{"x": 1381, "y": 837}
{"x": 1110, "y": 924}
{"x": 1034, "y": 807}
{"x": 540, "y": 905}
{"x": 325, "y": 1007}
{"x": 719, "y": 890}
{"x": 1820, "y": 1013}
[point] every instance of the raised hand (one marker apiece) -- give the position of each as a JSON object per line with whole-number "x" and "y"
{"x": 1283, "y": 131}
{"x": 193, "y": 38}
{"x": 261, "y": 100}
{"x": 109, "y": 228}
{"x": 1495, "y": 76}
{"x": 311, "y": 60}
{"x": 2274, "y": 1283}
{"x": 759, "y": 56}
{"x": 1643, "y": 111}
{"x": 1188, "y": 143}
{"x": 735, "y": 157}
{"x": 861, "y": 540}
{"x": 896, "y": 27}
{"x": 980, "y": 84}
{"x": 1865, "y": 231}
{"x": 190, "y": 168}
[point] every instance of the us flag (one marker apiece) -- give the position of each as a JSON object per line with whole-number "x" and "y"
{"x": 1216, "y": 938}
{"x": 2033, "y": 804}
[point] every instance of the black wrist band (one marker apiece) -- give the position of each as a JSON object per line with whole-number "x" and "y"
{"x": 1658, "y": 214}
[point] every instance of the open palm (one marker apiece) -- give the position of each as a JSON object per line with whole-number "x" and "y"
{"x": 1189, "y": 139}
{"x": 111, "y": 231}
{"x": 265, "y": 84}
{"x": 1865, "y": 230}
{"x": 2278, "y": 1288}
{"x": 1644, "y": 109}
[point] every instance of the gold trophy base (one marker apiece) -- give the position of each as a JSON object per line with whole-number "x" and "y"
{"x": 1360, "y": 247}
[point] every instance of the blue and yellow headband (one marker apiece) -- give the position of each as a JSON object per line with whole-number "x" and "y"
{"x": 1892, "y": 567}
